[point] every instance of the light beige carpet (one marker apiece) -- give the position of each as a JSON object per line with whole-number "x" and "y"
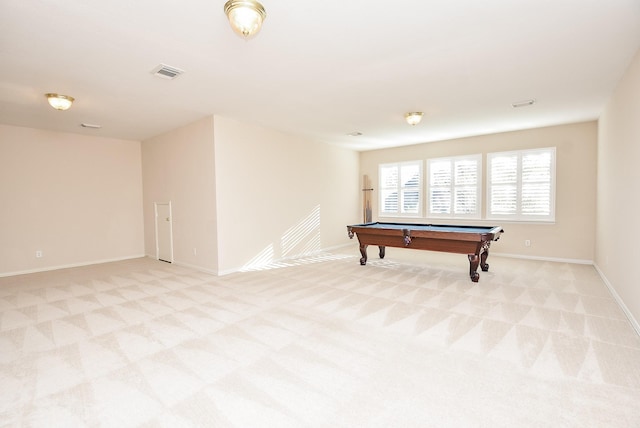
{"x": 408, "y": 341}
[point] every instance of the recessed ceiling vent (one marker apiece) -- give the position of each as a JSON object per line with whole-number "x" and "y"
{"x": 524, "y": 103}
{"x": 166, "y": 71}
{"x": 91, "y": 125}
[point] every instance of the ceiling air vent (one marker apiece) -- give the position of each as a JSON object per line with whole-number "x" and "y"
{"x": 167, "y": 72}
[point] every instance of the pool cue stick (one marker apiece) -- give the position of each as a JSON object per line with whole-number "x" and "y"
{"x": 366, "y": 201}
{"x": 365, "y": 197}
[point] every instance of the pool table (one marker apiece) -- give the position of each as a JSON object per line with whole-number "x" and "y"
{"x": 471, "y": 240}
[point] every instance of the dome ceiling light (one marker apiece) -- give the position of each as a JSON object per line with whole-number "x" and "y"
{"x": 59, "y": 102}
{"x": 245, "y": 16}
{"x": 413, "y": 118}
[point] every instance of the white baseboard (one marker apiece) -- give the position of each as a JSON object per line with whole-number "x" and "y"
{"x": 72, "y": 265}
{"x": 544, "y": 259}
{"x": 285, "y": 260}
{"x": 634, "y": 322}
{"x": 619, "y": 301}
{"x": 339, "y": 246}
{"x": 195, "y": 267}
{"x": 188, "y": 265}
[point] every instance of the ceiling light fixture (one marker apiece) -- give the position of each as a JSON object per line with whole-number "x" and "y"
{"x": 413, "y": 118}
{"x": 245, "y": 17}
{"x": 59, "y": 102}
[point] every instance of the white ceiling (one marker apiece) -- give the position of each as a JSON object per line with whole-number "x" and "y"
{"x": 321, "y": 69}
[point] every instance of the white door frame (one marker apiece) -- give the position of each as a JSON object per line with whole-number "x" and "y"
{"x": 155, "y": 208}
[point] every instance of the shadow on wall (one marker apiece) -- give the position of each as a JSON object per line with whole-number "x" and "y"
{"x": 301, "y": 239}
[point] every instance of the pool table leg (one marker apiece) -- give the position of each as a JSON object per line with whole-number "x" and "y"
{"x": 363, "y": 252}
{"x": 473, "y": 267}
{"x": 479, "y": 259}
{"x": 483, "y": 260}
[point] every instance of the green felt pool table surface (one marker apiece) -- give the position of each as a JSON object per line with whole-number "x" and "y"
{"x": 428, "y": 227}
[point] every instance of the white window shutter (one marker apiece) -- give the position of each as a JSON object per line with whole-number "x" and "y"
{"x": 400, "y": 189}
{"x": 454, "y": 187}
{"x": 521, "y": 185}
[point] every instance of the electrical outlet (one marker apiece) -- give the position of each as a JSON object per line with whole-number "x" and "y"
{"x": 38, "y": 254}
{"x": 527, "y": 243}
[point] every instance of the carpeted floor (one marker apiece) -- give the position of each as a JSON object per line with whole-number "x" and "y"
{"x": 408, "y": 341}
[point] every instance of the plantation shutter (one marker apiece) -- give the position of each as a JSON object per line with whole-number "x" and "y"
{"x": 400, "y": 189}
{"x": 388, "y": 189}
{"x": 521, "y": 185}
{"x": 536, "y": 184}
{"x": 440, "y": 187}
{"x": 504, "y": 185}
{"x": 466, "y": 187}
{"x": 454, "y": 187}
{"x": 410, "y": 188}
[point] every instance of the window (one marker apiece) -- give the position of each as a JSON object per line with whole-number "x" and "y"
{"x": 521, "y": 185}
{"x": 454, "y": 186}
{"x": 401, "y": 189}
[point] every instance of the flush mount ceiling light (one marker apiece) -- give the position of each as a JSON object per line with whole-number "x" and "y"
{"x": 413, "y": 118}
{"x": 59, "y": 102}
{"x": 245, "y": 17}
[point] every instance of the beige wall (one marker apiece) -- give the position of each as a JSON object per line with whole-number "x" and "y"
{"x": 279, "y": 196}
{"x": 617, "y": 234}
{"x": 75, "y": 198}
{"x": 244, "y": 195}
{"x": 179, "y": 167}
{"x": 571, "y": 237}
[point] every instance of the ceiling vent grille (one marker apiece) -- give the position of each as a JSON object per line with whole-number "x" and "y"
{"x": 167, "y": 72}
